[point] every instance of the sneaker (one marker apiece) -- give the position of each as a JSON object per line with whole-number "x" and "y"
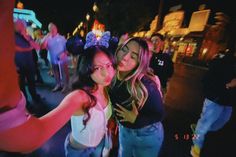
{"x": 195, "y": 151}
{"x": 56, "y": 88}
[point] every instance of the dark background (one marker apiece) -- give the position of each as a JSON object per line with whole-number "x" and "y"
{"x": 68, "y": 14}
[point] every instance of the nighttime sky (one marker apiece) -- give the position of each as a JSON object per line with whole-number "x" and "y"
{"x": 65, "y": 13}
{"x": 68, "y": 13}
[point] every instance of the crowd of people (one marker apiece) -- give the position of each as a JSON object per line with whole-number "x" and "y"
{"x": 126, "y": 84}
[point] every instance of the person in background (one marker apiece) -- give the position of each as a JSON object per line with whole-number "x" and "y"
{"x": 95, "y": 71}
{"x": 161, "y": 62}
{"x": 36, "y": 53}
{"x": 56, "y": 45}
{"x": 137, "y": 101}
{"x": 42, "y": 52}
{"x": 150, "y": 48}
{"x": 219, "y": 90}
{"x": 19, "y": 130}
{"x": 24, "y": 60}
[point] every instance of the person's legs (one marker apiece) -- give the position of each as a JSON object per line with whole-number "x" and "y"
{"x": 125, "y": 142}
{"x": 31, "y": 85}
{"x": 210, "y": 113}
{"x": 65, "y": 76}
{"x": 43, "y": 55}
{"x": 223, "y": 118}
{"x": 56, "y": 73}
{"x": 149, "y": 141}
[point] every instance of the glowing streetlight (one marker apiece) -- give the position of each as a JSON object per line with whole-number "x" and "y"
{"x": 81, "y": 24}
{"x": 95, "y": 7}
{"x": 87, "y": 17}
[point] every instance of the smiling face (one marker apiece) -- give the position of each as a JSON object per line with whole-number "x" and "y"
{"x": 103, "y": 70}
{"x": 128, "y": 57}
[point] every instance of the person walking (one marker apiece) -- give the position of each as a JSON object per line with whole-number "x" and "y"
{"x": 219, "y": 90}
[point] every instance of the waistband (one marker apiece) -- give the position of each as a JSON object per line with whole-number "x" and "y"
{"x": 154, "y": 125}
{"x": 76, "y": 144}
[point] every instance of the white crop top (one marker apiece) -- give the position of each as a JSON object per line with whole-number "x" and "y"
{"x": 96, "y": 127}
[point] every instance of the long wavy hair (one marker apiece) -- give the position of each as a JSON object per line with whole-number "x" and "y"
{"x": 135, "y": 87}
{"x": 82, "y": 79}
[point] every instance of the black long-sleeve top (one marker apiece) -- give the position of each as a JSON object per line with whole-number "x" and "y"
{"x": 162, "y": 66}
{"x": 151, "y": 112}
{"x": 222, "y": 69}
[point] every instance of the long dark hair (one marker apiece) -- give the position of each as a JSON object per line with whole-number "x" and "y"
{"x": 82, "y": 79}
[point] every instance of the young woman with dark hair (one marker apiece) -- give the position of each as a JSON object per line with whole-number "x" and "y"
{"x": 94, "y": 74}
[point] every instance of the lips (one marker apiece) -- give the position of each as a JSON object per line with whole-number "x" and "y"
{"x": 107, "y": 80}
{"x": 121, "y": 64}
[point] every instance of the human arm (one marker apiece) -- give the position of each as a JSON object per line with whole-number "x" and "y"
{"x": 9, "y": 87}
{"x": 24, "y": 49}
{"x": 34, "y": 44}
{"x": 44, "y": 41}
{"x": 64, "y": 53}
{"x": 151, "y": 111}
{"x": 36, "y": 131}
{"x": 231, "y": 84}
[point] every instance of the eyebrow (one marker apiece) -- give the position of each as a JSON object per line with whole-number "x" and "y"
{"x": 102, "y": 64}
{"x": 131, "y": 51}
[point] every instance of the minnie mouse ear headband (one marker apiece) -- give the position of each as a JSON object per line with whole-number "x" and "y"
{"x": 93, "y": 40}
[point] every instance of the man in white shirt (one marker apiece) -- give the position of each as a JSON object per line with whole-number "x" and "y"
{"x": 56, "y": 45}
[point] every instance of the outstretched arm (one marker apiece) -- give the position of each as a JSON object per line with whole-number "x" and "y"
{"x": 36, "y": 131}
{"x": 9, "y": 88}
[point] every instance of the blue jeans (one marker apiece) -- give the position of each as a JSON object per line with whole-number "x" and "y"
{"x": 87, "y": 152}
{"x": 213, "y": 117}
{"x": 141, "y": 142}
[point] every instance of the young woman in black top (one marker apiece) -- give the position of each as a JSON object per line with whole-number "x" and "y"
{"x": 137, "y": 101}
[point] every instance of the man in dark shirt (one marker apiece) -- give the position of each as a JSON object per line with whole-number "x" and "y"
{"x": 219, "y": 91}
{"x": 161, "y": 62}
{"x": 24, "y": 60}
